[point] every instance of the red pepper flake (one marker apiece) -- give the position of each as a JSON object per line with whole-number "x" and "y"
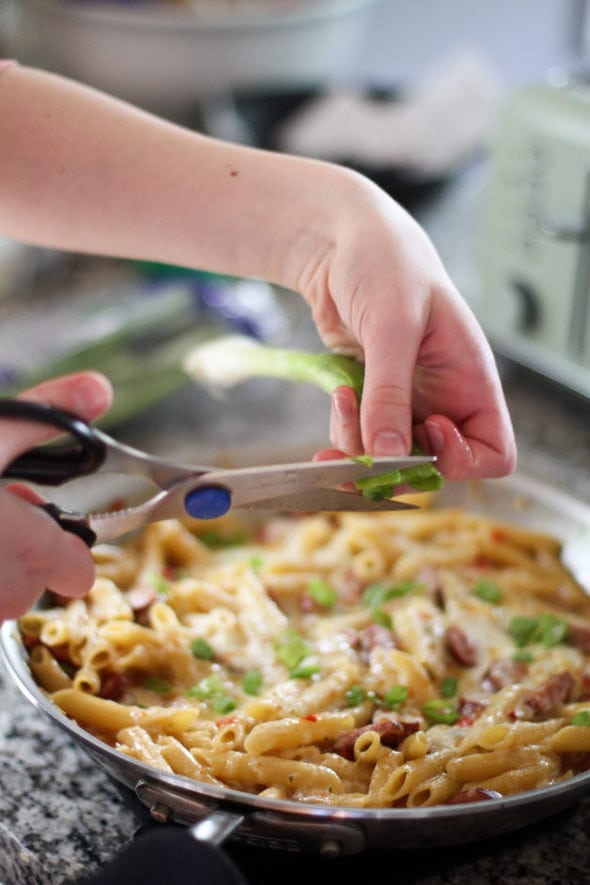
{"x": 512, "y": 715}
{"x": 311, "y": 717}
{"x": 226, "y": 720}
{"x": 466, "y": 721}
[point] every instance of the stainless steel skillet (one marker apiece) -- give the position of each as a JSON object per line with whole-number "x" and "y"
{"x": 218, "y": 814}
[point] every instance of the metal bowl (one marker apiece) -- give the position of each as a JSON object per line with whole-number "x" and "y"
{"x": 167, "y": 57}
{"x": 221, "y": 813}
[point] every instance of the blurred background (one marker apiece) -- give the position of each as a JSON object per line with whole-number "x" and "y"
{"x": 475, "y": 116}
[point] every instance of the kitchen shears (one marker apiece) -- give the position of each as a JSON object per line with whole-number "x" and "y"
{"x": 184, "y": 489}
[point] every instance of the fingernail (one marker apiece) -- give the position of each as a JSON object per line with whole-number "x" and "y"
{"x": 388, "y": 442}
{"x": 90, "y": 394}
{"x": 436, "y": 438}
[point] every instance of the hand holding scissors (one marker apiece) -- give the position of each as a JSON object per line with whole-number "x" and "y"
{"x": 197, "y": 491}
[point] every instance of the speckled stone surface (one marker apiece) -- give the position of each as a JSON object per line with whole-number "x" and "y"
{"x": 61, "y": 817}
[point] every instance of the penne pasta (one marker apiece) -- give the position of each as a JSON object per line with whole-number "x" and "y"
{"x": 47, "y": 671}
{"x": 361, "y": 660}
{"x": 296, "y": 732}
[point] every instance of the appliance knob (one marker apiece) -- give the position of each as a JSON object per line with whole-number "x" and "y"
{"x": 563, "y": 228}
{"x": 529, "y": 307}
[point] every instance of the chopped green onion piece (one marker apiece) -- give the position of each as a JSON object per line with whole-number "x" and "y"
{"x": 548, "y": 630}
{"x": 380, "y": 486}
{"x": 440, "y": 711}
{"x": 252, "y": 682}
{"x": 355, "y": 695}
{"x": 396, "y": 695}
{"x": 421, "y": 477}
{"x": 154, "y": 683}
{"x": 521, "y": 630}
{"x": 551, "y": 630}
{"x": 381, "y": 617}
{"x": 367, "y": 460}
{"x": 488, "y": 591}
{"x": 377, "y": 594}
{"x": 427, "y": 483}
{"x": 448, "y": 688}
{"x": 322, "y": 593}
{"x": 159, "y": 583}
{"x": 581, "y": 718}
{"x": 201, "y": 649}
{"x": 206, "y": 688}
{"x": 213, "y": 538}
{"x": 379, "y": 494}
{"x": 523, "y": 657}
{"x": 291, "y": 649}
{"x": 304, "y": 671}
{"x": 224, "y": 704}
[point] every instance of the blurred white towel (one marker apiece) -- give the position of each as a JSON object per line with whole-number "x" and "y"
{"x": 435, "y": 126}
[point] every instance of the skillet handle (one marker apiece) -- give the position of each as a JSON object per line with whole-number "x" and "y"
{"x": 54, "y": 464}
{"x": 169, "y": 854}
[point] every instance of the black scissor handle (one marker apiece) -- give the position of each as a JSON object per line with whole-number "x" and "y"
{"x": 70, "y": 521}
{"x": 54, "y": 464}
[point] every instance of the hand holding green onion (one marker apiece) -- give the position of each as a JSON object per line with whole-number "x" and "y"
{"x": 232, "y": 359}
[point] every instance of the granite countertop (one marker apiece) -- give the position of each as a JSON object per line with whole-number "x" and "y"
{"x": 62, "y": 817}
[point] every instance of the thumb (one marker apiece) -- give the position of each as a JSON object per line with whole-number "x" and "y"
{"x": 386, "y": 403}
{"x": 86, "y": 394}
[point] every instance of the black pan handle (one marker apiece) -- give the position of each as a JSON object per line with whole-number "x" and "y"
{"x": 168, "y": 854}
{"x": 54, "y": 464}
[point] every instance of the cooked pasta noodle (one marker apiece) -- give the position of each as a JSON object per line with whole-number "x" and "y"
{"x": 365, "y": 660}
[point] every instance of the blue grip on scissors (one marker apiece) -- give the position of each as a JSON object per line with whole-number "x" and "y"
{"x": 207, "y": 502}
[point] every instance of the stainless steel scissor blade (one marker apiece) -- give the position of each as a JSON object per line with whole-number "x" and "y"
{"x": 183, "y": 489}
{"x": 309, "y": 486}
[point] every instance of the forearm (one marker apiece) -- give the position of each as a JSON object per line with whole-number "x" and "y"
{"x": 83, "y": 172}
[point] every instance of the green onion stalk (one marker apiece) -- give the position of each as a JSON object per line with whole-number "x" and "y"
{"x": 232, "y": 359}
{"x": 141, "y": 371}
